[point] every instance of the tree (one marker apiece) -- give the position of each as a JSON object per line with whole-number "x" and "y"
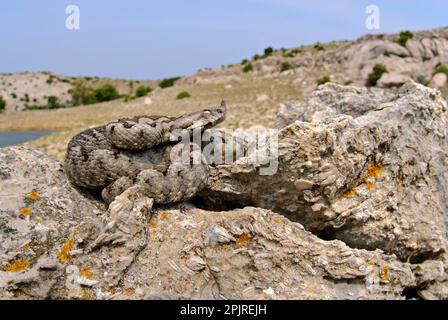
{"x": 2, "y": 104}
{"x": 142, "y": 91}
{"x": 79, "y": 92}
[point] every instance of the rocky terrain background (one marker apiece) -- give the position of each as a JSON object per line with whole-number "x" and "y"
{"x": 356, "y": 210}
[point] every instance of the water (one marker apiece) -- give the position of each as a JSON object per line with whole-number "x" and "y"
{"x": 9, "y": 138}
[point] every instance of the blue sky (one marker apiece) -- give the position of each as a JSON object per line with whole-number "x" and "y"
{"x": 159, "y": 38}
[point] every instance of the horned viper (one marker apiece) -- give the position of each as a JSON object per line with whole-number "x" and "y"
{"x": 136, "y": 151}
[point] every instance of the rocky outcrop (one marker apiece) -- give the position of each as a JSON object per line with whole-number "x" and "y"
{"x": 47, "y": 229}
{"x": 376, "y": 179}
{"x": 356, "y": 210}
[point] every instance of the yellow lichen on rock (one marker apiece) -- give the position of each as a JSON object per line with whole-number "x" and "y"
{"x": 350, "y": 193}
{"x": 384, "y": 273}
{"x": 242, "y": 240}
{"x": 33, "y": 195}
{"x": 64, "y": 253}
{"x": 85, "y": 272}
{"x": 374, "y": 170}
{"x": 17, "y": 266}
{"x": 25, "y": 212}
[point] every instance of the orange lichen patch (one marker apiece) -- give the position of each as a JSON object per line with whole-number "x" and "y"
{"x": 277, "y": 220}
{"x": 33, "y": 195}
{"x": 40, "y": 181}
{"x": 242, "y": 240}
{"x": 350, "y": 193}
{"x": 370, "y": 186}
{"x": 112, "y": 290}
{"x": 64, "y": 253}
{"x": 163, "y": 215}
{"x": 384, "y": 273}
{"x": 86, "y": 295}
{"x": 17, "y": 266}
{"x": 25, "y": 212}
{"x": 374, "y": 170}
{"x": 26, "y": 246}
{"x": 152, "y": 223}
{"x": 130, "y": 292}
{"x": 85, "y": 272}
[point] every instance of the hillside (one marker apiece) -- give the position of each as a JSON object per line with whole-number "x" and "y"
{"x": 253, "y": 89}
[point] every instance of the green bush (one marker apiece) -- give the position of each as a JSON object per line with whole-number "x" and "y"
{"x": 107, "y": 92}
{"x": 323, "y": 80}
{"x": 256, "y": 57}
{"x": 52, "y": 102}
{"x": 286, "y": 66}
{"x": 441, "y": 69}
{"x": 248, "y": 68}
{"x": 2, "y": 104}
{"x": 404, "y": 37}
{"x": 319, "y": 47}
{"x": 168, "y": 82}
{"x": 377, "y": 71}
{"x": 268, "y": 51}
{"x": 142, "y": 91}
{"x": 244, "y": 62}
{"x": 183, "y": 95}
{"x": 14, "y": 95}
{"x": 79, "y": 92}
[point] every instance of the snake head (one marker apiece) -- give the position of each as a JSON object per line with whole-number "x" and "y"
{"x": 204, "y": 119}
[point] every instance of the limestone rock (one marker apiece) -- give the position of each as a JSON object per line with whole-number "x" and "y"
{"x": 439, "y": 80}
{"x": 392, "y": 79}
{"x": 378, "y": 177}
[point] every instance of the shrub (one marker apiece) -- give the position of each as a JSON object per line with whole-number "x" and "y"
{"x": 79, "y": 91}
{"x": 50, "y": 79}
{"x": 14, "y": 95}
{"x": 348, "y": 82}
{"x": 52, "y": 102}
{"x": 183, "y": 95}
{"x": 319, "y": 47}
{"x": 142, "y": 91}
{"x": 404, "y": 37}
{"x": 168, "y": 82}
{"x": 107, "y": 92}
{"x": 256, "y": 57}
{"x": 2, "y": 104}
{"x": 323, "y": 80}
{"x": 441, "y": 69}
{"x": 377, "y": 71}
{"x": 286, "y": 66}
{"x": 248, "y": 68}
{"x": 244, "y": 62}
{"x": 268, "y": 51}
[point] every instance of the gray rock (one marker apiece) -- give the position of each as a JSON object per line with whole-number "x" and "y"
{"x": 392, "y": 79}
{"x": 438, "y": 81}
{"x": 378, "y": 177}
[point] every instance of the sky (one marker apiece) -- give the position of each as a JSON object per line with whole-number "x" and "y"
{"x": 153, "y": 39}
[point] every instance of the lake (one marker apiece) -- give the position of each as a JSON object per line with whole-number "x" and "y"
{"x": 9, "y": 138}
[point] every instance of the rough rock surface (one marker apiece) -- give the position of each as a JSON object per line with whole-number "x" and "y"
{"x": 392, "y": 79}
{"x": 376, "y": 179}
{"x": 183, "y": 252}
{"x": 438, "y": 81}
{"x": 356, "y": 210}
